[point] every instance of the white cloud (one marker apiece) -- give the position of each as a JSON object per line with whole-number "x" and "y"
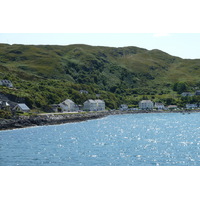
{"x": 161, "y": 34}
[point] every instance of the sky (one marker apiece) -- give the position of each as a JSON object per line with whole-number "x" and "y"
{"x": 171, "y": 26}
{"x": 184, "y": 45}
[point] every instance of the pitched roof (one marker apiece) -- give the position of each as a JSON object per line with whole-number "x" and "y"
{"x": 159, "y": 104}
{"x": 172, "y": 106}
{"x": 23, "y": 106}
{"x": 99, "y": 101}
{"x": 68, "y": 101}
{"x": 90, "y": 101}
{"x": 146, "y": 101}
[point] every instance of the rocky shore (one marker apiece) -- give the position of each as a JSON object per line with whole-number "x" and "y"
{"x": 51, "y": 119}
{"x": 48, "y": 119}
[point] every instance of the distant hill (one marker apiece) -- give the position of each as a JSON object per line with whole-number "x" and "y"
{"x": 122, "y": 72}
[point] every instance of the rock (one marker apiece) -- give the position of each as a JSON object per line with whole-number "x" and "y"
{"x": 48, "y": 119}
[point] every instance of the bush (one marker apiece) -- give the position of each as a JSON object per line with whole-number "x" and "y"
{"x": 5, "y": 114}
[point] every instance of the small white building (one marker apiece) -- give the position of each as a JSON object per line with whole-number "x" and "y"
{"x": 21, "y": 107}
{"x": 94, "y": 105}
{"x": 159, "y": 106}
{"x": 146, "y": 104}
{"x": 100, "y": 104}
{"x": 191, "y": 106}
{"x": 123, "y": 107}
{"x": 90, "y": 105}
{"x": 68, "y": 106}
{"x": 171, "y": 107}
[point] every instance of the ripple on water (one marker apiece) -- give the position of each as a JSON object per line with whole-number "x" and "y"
{"x": 142, "y": 139}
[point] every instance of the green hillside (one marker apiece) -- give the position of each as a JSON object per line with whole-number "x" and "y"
{"x": 47, "y": 74}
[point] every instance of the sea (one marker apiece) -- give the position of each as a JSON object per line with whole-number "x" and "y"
{"x": 150, "y": 139}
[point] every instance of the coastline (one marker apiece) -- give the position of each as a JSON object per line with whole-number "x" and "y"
{"x": 53, "y": 119}
{"x": 48, "y": 119}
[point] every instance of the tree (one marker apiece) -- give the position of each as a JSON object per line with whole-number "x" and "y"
{"x": 180, "y": 87}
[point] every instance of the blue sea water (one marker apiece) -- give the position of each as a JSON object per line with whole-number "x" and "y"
{"x": 171, "y": 139}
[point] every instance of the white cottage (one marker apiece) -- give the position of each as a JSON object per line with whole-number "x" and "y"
{"x": 159, "y": 106}
{"x": 123, "y": 107}
{"x": 67, "y": 105}
{"x": 90, "y": 105}
{"x": 171, "y": 107}
{"x": 100, "y": 104}
{"x": 146, "y": 104}
{"x": 22, "y": 107}
{"x": 191, "y": 106}
{"x": 94, "y": 105}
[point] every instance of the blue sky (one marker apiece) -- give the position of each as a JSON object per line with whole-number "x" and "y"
{"x": 184, "y": 45}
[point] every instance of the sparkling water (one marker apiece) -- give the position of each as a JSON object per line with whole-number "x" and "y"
{"x": 171, "y": 139}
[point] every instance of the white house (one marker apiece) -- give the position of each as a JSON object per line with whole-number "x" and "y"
{"x": 191, "y": 106}
{"x": 94, "y": 105}
{"x": 67, "y": 105}
{"x": 21, "y": 107}
{"x": 90, "y": 105}
{"x": 123, "y": 107}
{"x": 100, "y": 104}
{"x": 6, "y": 83}
{"x": 172, "y": 107}
{"x": 159, "y": 106}
{"x": 146, "y": 104}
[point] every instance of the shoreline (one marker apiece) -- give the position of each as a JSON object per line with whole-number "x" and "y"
{"x": 62, "y": 118}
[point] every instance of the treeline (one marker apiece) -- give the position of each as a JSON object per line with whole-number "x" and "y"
{"x": 41, "y": 93}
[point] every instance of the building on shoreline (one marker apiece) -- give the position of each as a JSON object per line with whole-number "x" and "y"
{"x": 191, "y": 106}
{"x": 100, "y": 104}
{"x": 159, "y": 106}
{"x": 94, "y": 105}
{"x": 68, "y": 106}
{"x": 123, "y": 107}
{"x": 146, "y": 105}
{"x": 21, "y": 107}
{"x": 172, "y": 107}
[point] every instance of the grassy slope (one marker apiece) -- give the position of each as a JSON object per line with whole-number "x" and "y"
{"x": 117, "y": 70}
{"x": 55, "y": 61}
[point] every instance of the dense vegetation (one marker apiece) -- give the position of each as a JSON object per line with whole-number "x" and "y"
{"x": 47, "y": 74}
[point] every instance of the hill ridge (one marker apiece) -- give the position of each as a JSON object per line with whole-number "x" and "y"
{"x": 123, "y": 73}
